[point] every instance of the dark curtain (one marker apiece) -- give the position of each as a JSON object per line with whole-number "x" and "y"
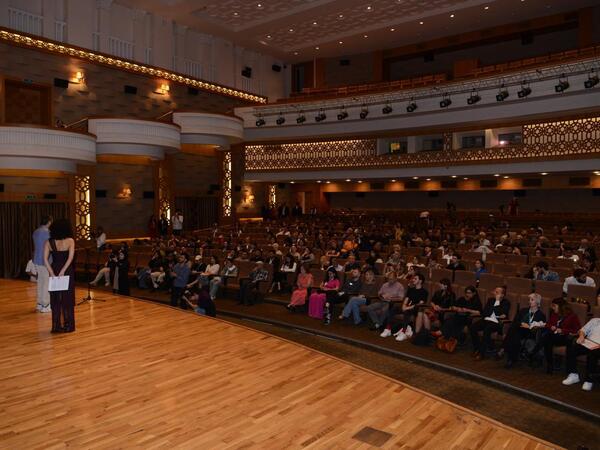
{"x": 17, "y": 223}
{"x": 198, "y": 212}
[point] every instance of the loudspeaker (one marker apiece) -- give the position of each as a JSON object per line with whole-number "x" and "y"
{"x": 129, "y": 89}
{"x": 148, "y": 194}
{"x": 344, "y": 62}
{"x": 247, "y": 72}
{"x": 1, "y": 187}
{"x": 192, "y": 91}
{"x": 237, "y": 189}
{"x": 276, "y": 68}
{"x": 596, "y": 192}
{"x": 215, "y": 187}
{"x": 488, "y": 183}
{"x": 520, "y": 193}
{"x": 48, "y": 196}
{"x": 281, "y": 186}
{"x": 61, "y": 83}
{"x": 101, "y": 193}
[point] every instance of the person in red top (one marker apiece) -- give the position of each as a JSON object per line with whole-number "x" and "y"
{"x": 561, "y": 327}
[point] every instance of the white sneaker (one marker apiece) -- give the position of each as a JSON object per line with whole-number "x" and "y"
{"x": 408, "y": 332}
{"x": 38, "y": 307}
{"x": 386, "y": 333}
{"x": 401, "y": 337}
{"x": 587, "y": 386}
{"x": 401, "y": 330}
{"x": 107, "y": 284}
{"x": 46, "y": 309}
{"x": 573, "y": 378}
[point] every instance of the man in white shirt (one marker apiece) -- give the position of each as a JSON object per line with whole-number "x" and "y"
{"x": 588, "y": 344}
{"x": 579, "y": 278}
{"x": 100, "y": 239}
{"x": 177, "y": 222}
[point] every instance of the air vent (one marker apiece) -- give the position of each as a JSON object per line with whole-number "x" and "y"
{"x": 532, "y": 182}
{"x": 377, "y": 186}
{"x": 411, "y": 185}
{"x": 449, "y": 184}
{"x": 579, "y": 181}
{"x": 488, "y": 183}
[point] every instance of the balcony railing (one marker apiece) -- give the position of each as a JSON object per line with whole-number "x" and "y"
{"x": 573, "y": 139}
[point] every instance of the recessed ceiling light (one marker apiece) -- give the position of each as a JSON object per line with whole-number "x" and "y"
{"x": 597, "y": 172}
{"x": 486, "y": 7}
{"x": 393, "y": 181}
{"x": 328, "y": 182}
{"x": 465, "y": 178}
{"x": 544, "y": 173}
{"x": 369, "y": 8}
{"x": 415, "y": 178}
{"x": 291, "y": 30}
{"x": 366, "y": 36}
{"x": 496, "y": 174}
{"x": 428, "y": 179}
{"x": 348, "y": 179}
{"x": 452, "y": 16}
{"x": 318, "y": 181}
{"x": 316, "y": 48}
{"x": 421, "y": 22}
{"x": 269, "y": 36}
{"x": 505, "y": 176}
{"x": 315, "y": 23}
{"x": 340, "y": 42}
{"x": 359, "y": 181}
{"x": 341, "y": 16}
{"x": 259, "y": 5}
{"x": 292, "y": 182}
{"x": 235, "y": 13}
{"x": 295, "y": 53}
{"x": 453, "y": 176}
{"x": 392, "y": 29}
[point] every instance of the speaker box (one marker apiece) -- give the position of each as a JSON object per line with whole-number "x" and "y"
{"x": 237, "y": 189}
{"x": 148, "y": 194}
{"x": 130, "y": 89}
{"x": 61, "y": 83}
{"x": 428, "y": 57}
{"x": 101, "y": 193}
{"x": 192, "y": 91}
{"x": 488, "y": 183}
{"x": 377, "y": 186}
{"x": 247, "y": 72}
{"x": 215, "y": 187}
{"x": 48, "y": 196}
{"x": 276, "y": 68}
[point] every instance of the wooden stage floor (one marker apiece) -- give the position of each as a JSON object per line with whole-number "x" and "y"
{"x": 142, "y": 375}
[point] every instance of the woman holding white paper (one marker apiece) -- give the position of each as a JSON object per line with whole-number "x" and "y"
{"x": 61, "y": 247}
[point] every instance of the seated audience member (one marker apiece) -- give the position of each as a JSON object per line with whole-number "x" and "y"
{"x": 328, "y": 289}
{"x": 121, "y": 274}
{"x": 479, "y": 247}
{"x": 578, "y": 278}
{"x": 588, "y": 264}
{"x": 455, "y": 263}
{"x": 464, "y": 308}
{"x": 157, "y": 277}
{"x": 494, "y": 313}
{"x": 368, "y": 292}
{"x": 288, "y": 266}
{"x": 351, "y": 287}
{"x": 273, "y": 260}
{"x": 561, "y": 328}
{"x": 307, "y": 256}
{"x": 211, "y": 270}
{"x": 249, "y": 286}
{"x": 412, "y": 311}
{"x": 441, "y": 301}
{"x": 527, "y": 325}
{"x": 567, "y": 253}
{"x": 351, "y": 264}
{"x": 587, "y": 344}
{"x": 391, "y": 291}
{"x": 304, "y": 282}
{"x": 180, "y": 275}
{"x": 229, "y": 270}
{"x": 105, "y": 272}
{"x": 334, "y": 265}
{"x": 200, "y": 302}
{"x": 100, "y": 239}
{"x": 479, "y": 269}
{"x": 542, "y": 272}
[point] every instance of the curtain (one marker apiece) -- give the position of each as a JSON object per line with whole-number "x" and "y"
{"x": 198, "y": 212}
{"x": 17, "y": 223}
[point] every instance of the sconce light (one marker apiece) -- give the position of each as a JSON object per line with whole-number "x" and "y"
{"x": 78, "y": 78}
{"x": 163, "y": 89}
{"x": 125, "y": 193}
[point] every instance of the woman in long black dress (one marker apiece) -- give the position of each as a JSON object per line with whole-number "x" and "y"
{"x": 61, "y": 247}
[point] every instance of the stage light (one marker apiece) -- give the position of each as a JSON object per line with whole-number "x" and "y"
{"x": 591, "y": 81}
{"x": 445, "y": 102}
{"x": 387, "y": 109}
{"x": 524, "y": 91}
{"x": 364, "y": 112}
{"x": 473, "y": 98}
{"x": 342, "y": 114}
{"x": 562, "y": 86}
{"x": 411, "y": 107}
{"x": 301, "y": 118}
{"x": 321, "y": 116}
{"x": 501, "y": 95}
{"x": 280, "y": 120}
{"x": 260, "y": 122}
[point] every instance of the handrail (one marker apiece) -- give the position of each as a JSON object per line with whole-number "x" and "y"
{"x": 81, "y": 124}
{"x": 164, "y": 116}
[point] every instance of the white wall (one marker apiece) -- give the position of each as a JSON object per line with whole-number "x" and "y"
{"x": 167, "y": 44}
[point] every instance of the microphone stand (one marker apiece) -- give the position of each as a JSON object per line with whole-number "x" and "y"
{"x": 88, "y": 298}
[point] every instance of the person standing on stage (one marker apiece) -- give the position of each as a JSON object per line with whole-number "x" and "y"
{"x": 40, "y": 237}
{"x": 177, "y": 223}
{"x": 61, "y": 247}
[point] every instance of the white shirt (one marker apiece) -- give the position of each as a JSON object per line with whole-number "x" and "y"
{"x": 213, "y": 269}
{"x": 101, "y": 240}
{"x": 177, "y": 221}
{"x": 572, "y": 280}
{"x": 591, "y": 330}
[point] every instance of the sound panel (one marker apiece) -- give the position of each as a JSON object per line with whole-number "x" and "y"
{"x": 61, "y": 83}
{"x": 148, "y": 194}
{"x": 276, "y": 68}
{"x": 130, "y": 89}
{"x": 532, "y": 182}
{"x": 488, "y": 183}
{"x": 101, "y": 193}
{"x": 579, "y": 181}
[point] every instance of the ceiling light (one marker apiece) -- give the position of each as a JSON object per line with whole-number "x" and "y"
{"x": 341, "y": 16}
{"x": 369, "y": 8}
{"x": 411, "y": 107}
{"x": 348, "y": 180}
{"x": 452, "y": 16}
{"x": 393, "y": 181}
{"x": 269, "y": 36}
{"x": 291, "y": 30}
{"x": 301, "y": 118}
{"x": 260, "y": 122}
{"x": 445, "y": 102}
{"x": 236, "y": 13}
{"x": 315, "y": 23}
{"x": 280, "y": 120}
{"x": 292, "y": 182}
{"x": 328, "y": 182}
{"x": 316, "y": 48}
{"x": 364, "y": 112}
{"x": 259, "y": 5}
{"x": 453, "y": 176}
{"x": 505, "y": 177}
{"x": 473, "y": 98}
{"x": 502, "y": 95}
{"x": 365, "y": 36}
{"x": 387, "y": 109}
{"x": 486, "y": 7}
{"x": 340, "y": 42}
{"x": 591, "y": 81}
{"x": 295, "y": 53}
{"x": 428, "y": 179}
{"x": 421, "y": 22}
{"x": 415, "y": 178}
{"x": 392, "y": 29}
{"x": 318, "y": 181}
{"x": 496, "y": 174}
{"x": 544, "y": 173}
{"x": 465, "y": 178}
{"x": 597, "y": 172}
{"x": 359, "y": 181}
{"x": 562, "y": 86}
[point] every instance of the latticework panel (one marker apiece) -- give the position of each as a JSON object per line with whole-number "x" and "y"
{"x": 226, "y": 201}
{"x": 164, "y": 192}
{"x": 272, "y": 195}
{"x": 83, "y": 213}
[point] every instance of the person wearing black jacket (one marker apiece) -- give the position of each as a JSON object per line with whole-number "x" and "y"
{"x": 495, "y": 311}
{"x": 121, "y": 274}
{"x": 527, "y": 324}
{"x": 455, "y": 263}
{"x": 464, "y": 309}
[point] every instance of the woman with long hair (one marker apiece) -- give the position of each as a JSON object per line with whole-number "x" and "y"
{"x": 61, "y": 246}
{"x": 303, "y": 283}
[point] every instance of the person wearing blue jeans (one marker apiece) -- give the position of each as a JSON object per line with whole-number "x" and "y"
{"x": 367, "y": 291}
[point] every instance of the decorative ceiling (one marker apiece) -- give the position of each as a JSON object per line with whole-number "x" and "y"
{"x": 297, "y": 30}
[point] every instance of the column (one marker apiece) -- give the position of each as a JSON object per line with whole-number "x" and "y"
{"x": 82, "y": 201}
